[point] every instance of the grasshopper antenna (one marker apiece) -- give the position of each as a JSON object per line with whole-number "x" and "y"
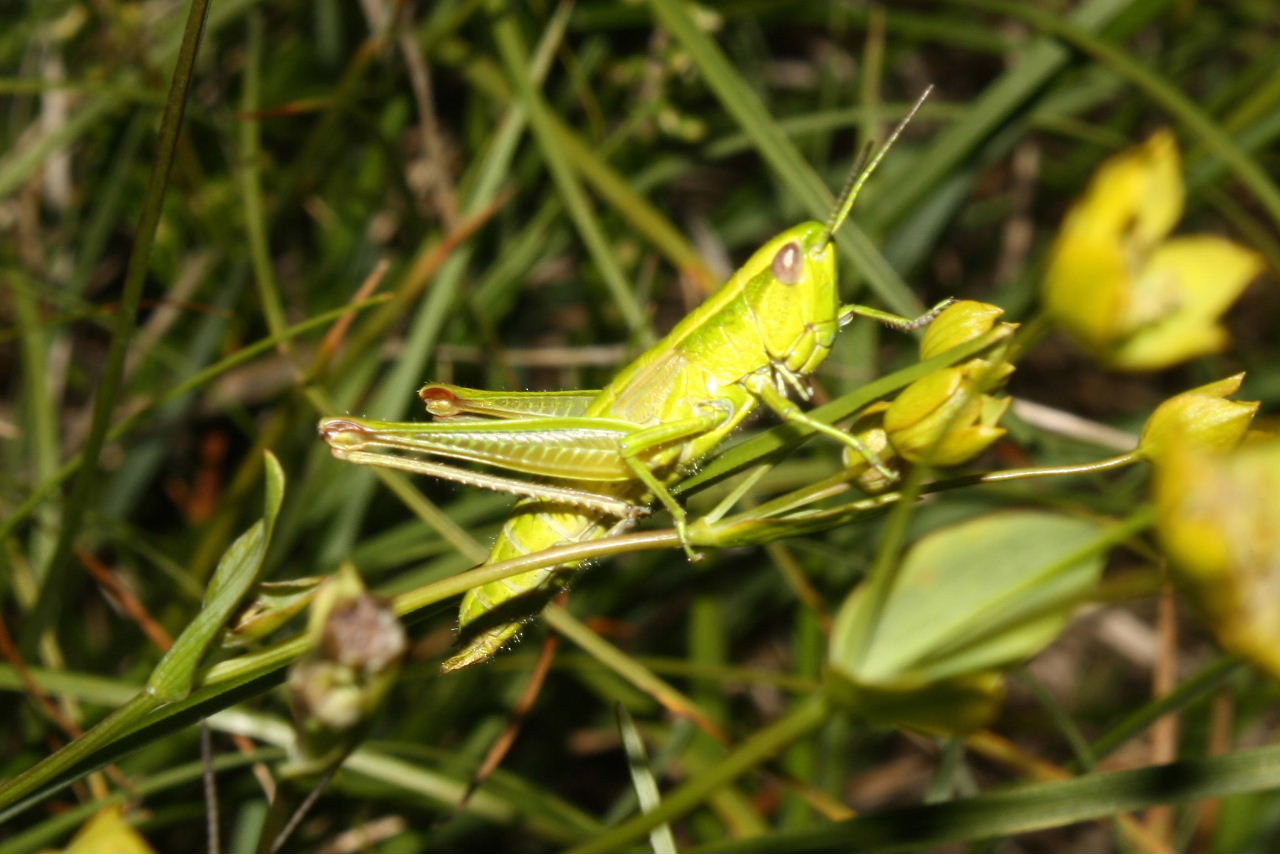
{"x": 863, "y": 171}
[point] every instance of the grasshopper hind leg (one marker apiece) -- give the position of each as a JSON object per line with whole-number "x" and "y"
{"x": 482, "y": 647}
{"x": 493, "y": 615}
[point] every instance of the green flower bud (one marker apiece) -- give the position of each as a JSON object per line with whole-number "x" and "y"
{"x": 1202, "y": 417}
{"x": 338, "y": 685}
{"x": 274, "y": 605}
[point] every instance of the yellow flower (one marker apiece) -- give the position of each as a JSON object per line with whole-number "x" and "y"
{"x": 1218, "y": 517}
{"x": 108, "y": 830}
{"x": 1116, "y": 285}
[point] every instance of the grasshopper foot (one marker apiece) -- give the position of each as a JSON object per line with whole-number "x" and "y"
{"x": 682, "y": 531}
{"x": 881, "y": 467}
{"x": 634, "y": 513}
{"x": 858, "y": 450}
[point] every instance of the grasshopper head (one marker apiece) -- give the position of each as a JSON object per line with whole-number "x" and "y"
{"x": 794, "y": 292}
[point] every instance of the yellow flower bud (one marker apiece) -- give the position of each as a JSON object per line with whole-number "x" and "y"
{"x": 944, "y": 418}
{"x": 1115, "y": 285}
{"x": 922, "y": 398}
{"x": 1217, "y": 516}
{"x": 1202, "y": 417}
{"x": 959, "y": 323}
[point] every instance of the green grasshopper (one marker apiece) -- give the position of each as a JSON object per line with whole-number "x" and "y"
{"x": 612, "y": 451}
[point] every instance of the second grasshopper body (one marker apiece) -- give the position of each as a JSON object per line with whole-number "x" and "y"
{"x": 610, "y": 452}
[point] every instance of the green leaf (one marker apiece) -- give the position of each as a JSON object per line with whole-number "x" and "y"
{"x": 236, "y": 573}
{"x": 275, "y": 603}
{"x": 661, "y": 840}
{"x": 968, "y": 601}
{"x": 1027, "y": 808}
{"x": 945, "y": 707}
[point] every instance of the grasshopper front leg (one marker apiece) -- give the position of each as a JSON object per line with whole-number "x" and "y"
{"x": 893, "y": 321}
{"x": 787, "y": 410}
{"x": 766, "y": 390}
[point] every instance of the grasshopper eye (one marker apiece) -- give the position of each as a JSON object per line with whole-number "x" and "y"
{"x": 788, "y": 264}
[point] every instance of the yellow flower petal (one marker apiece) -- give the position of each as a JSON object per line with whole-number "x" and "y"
{"x": 1209, "y": 272}
{"x": 1185, "y": 286}
{"x": 1086, "y": 289}
{"x": 1154, "y": 171}
{"x": 1136, "y": 195}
